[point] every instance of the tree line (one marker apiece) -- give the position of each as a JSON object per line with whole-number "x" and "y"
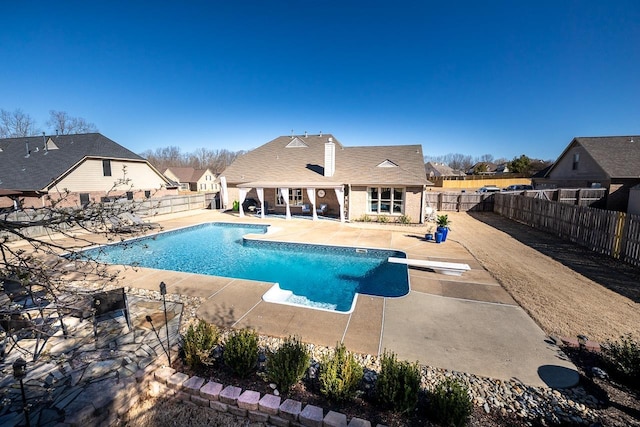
{"x": 201, "y": 158}
{"x": 462, "y": 162}
{"x": 18, "y": 124}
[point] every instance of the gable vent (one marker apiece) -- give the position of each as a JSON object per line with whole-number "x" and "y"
{"x": 51, "y": 145}
{"x": 387, "y": 164}
{"x": 296, "y": 143}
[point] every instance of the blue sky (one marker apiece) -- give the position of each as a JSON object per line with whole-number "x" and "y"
{"x": 474, "y": 77}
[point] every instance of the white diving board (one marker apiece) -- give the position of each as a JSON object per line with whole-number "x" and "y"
{"x": 449, "y": 268}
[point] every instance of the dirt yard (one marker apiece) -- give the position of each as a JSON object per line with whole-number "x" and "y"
{"x": 566, "y": 289}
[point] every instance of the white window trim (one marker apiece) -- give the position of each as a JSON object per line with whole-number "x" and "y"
{"x": 391, "y": 202}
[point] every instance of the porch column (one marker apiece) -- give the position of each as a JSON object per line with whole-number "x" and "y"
{"x": 224, "y": 199}
{"x": 311, "y": 193}
{"x": 242, "y": 194}
{"x": 260, "y": 192}
{"x": 284, "y": 193}
{"x": 340, "y": 196}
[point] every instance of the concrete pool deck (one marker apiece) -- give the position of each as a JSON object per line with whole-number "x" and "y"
{"x": 465, "y": 323}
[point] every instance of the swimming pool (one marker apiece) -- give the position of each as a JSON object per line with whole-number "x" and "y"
{"x": 326, "y": 277}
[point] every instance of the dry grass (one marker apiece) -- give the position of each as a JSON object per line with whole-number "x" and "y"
{"x": 567, "y": 290}
{"x": 171, "y": 412}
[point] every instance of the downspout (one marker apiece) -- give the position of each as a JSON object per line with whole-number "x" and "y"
{"x": 424, "y": 189}
{"x": 349, "y": 205}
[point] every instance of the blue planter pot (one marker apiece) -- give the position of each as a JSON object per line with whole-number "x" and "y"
{"x": 428, "y": 236}
{"x": 438, "y": 237}
{"x": 444, "y": 231}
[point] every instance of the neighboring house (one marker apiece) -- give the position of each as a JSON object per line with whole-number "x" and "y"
{"x": 483, "y": 168}
{"x": 502, "y": 168}
{"x": 191, "y": 179}
{"x": 437, "y": 170}
{"x": 293, "y": 173}
{"x": 88, "y": 167}
{"x": 611, "y": 162}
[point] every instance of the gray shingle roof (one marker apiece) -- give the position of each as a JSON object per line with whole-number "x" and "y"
{"x": 618, "y": 156}
{"x": 303, "y": 161}
{"x": 36, "y": 171}
{"x": 186, "y": 174}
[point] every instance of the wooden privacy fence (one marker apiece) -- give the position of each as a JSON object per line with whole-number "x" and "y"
{"x": 479, "y": 202}
{"x": 612, "y": 233}
{"x": 459, "y": 202}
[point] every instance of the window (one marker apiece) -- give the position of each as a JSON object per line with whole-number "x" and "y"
{"x": 129, "y": 195}
{"x": 106, "y": 167}
{"x": 147, "y": 194}
{"x": 385, "y": 200}
{"x": 84, "y": 199}
{"x": 576, "y": 160}
{"x": 295, "y": 197}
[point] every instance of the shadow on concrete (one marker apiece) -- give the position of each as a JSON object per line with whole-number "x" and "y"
{"x": 613, "y": 274}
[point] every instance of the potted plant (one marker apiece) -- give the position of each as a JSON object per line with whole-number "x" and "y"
{"x": 429, "y": 235}
{"x": 443, "y": 225}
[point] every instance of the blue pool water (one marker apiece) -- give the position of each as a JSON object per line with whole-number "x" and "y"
{"x": 319, "y": 276}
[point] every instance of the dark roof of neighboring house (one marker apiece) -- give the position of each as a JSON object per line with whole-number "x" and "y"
{"x": 41, "y": 167}
{"x": 300, "y": 159}
{"x": 491, "y": 167}
{"x": 617, "y": 156}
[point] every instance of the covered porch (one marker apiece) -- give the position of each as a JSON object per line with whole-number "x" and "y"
{"x": 312, "y": 199}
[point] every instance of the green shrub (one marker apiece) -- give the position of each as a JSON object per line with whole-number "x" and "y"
{"x": 404, "y": 219}
{"x": 241, "y": 352}
{"x": 287, "y": 365}
{"x": 450, "y": 403}
{"x": 199, "y": 341}
{"x": 398, "y": 383}
{"x": 623, "y": 357}
{"x": 383, "y": 219}
{"x": 339, "y": 375}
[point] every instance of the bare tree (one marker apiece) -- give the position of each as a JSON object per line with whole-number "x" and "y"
{"x": 65, "y": 124}
{"x": 33, "y": 267}
{"x": 202, "y": 158}
{"x": 16, "y": 124}
{"x": 486, "y": 158}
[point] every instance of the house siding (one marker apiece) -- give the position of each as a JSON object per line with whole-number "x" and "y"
{"x": 88, "y": 177}
{"x": 588, "y": 170}
{"x": 358, "y": 208}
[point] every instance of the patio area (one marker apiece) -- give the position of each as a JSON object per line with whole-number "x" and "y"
{"x": 465, "y": 323}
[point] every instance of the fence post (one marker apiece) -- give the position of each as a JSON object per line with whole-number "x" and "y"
{"x": 617, "y": 239}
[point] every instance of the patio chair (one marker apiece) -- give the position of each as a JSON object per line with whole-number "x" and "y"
{"x": 306, "y": 209}
{"x": 107, "y": 304}
{"x": 139, "y": 222}
{"x": 118, "y": 226}
{"x": 323, "y": 209}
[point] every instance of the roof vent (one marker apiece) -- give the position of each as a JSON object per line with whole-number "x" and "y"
{"x": 306, "y": 134}
{"x": 320, "y": 133}
{"x": 28, "y": 151}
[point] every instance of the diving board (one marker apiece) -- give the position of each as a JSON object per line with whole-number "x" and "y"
{"x": 449, "y": 268}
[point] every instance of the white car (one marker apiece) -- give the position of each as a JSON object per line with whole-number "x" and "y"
{"x": 489, "y": 189}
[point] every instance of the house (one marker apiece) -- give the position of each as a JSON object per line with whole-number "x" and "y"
{"x": 436, "y": 170}
{"x": 191, "y": 179}
{"x": 483, "y": 168}
{"x": 89, "y": 167}
{"x": 611, "y": 162}
{"x": 301, "y": 172}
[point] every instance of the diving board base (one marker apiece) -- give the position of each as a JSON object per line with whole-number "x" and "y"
{"x": 448, "y": 268}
